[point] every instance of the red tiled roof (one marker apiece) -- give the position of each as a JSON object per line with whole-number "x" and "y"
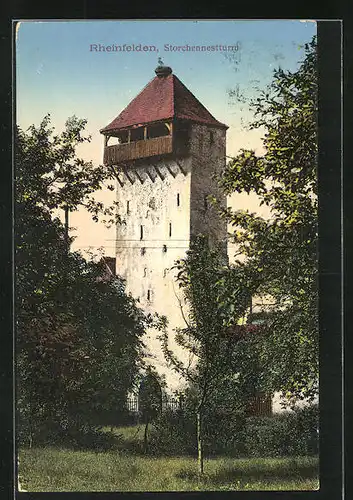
{"x": 163, "y": 99}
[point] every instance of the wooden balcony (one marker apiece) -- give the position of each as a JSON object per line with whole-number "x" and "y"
{"x": 113, "y": 155}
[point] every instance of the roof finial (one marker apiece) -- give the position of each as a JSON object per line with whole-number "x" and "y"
{"x": 162, "y": 70}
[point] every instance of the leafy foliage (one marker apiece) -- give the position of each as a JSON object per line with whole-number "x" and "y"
{"x": 221, "y": 373}
{"x": 281, "y": 252}
{"x": 287, "y": 434}
{"x": 279, "y": 260}
{"x": 78, "y": 342}
{"x": 150, "y": 395}
{"x": 200, "y": 276}
{"x": 150, "y": 399}
{"x": 49, "y": 173}
{"x": 224, "y": 353}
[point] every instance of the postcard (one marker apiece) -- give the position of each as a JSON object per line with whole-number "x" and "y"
{"x": 166, "y": 255}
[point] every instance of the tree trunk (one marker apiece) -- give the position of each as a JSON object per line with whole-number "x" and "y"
{"x": 30, "y": 430}
{"x": 66, "y": 210}
{"x": 145, "y": 439}
{"x": 199, "y": 444}
{"x": 30, "y": 440}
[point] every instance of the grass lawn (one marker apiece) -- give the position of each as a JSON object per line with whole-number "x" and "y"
{"x": 59, "y": 469}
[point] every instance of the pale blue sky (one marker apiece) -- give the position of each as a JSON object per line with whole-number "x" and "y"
{"x": 57, "y": 73}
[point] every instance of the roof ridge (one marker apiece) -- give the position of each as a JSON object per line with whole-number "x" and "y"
{"x": 130, "y": 103}
{"x": 173, "y": 95}
{"x": 162, "y": 98}
{"x": 196, "y": 99}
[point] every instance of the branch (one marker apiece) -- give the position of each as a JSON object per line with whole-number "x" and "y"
{"x": 53, "y": 180}
{"x": 181, "y": 307}
{"x": 172, "y": 359}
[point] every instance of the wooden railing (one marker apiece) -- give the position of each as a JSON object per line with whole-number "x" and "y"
{"x": 139, "y": 149}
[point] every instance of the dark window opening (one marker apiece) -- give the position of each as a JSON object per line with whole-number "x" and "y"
{"x": 178, "y": 200}
{"x": 164, "y": 248}
{"x": 182, "y": 135}
{"x": 141, "y": 232}
{"x": 148, "y": 294}
{"x": 205, "y": 202}
{"x": 137, "y": 134}
{"x": 211, "y": 138}
{"x": 143, "y": 251}
{"x": 127, "y": 207}
{"x": 145, "y": 272}
{"x": 170, "y": 229}
{"x": 157, "y": 130}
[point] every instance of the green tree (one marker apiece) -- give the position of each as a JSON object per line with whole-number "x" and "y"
{"x": 281, "y": 251}
{"x": 50, "y": 174}
{"x": 279, "y": 259}
{"x": 214, "y": 361}
{"x": 78, "y": 336}
{"x": 150, "y": 399}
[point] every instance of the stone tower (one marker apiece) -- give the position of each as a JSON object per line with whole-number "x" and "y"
{"x": 164, "y": 148}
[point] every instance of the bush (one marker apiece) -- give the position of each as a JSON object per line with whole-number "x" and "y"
{"x": 287, "y": 434}
{"x": 173, "y": 433}
{"x": 224, "y": 434}
{"x": 267, "y": 436}
{"x": 118, "y": 417}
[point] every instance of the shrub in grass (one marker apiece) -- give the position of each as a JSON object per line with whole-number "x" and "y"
{"x": 117, "y": 417}
{"x": 173, "y": 433}
{"x": 82, "y": 436}
{"x": 307, "y": 428}
{"x": 90, "y": 439}
{"x": 284, "y": 434}
{"x": 267, "y": 436}
{"x": 225, "y": 433}
{"x": 287, "y": 434}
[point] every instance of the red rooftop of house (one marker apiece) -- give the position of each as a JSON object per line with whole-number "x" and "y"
{"x": 165, "y": 97}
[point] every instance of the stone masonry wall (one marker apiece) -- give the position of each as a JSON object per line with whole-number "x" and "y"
{"x": 208, "y": 150}
{"x": 168, "y": 200}
{"x": 162, "y": 208}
